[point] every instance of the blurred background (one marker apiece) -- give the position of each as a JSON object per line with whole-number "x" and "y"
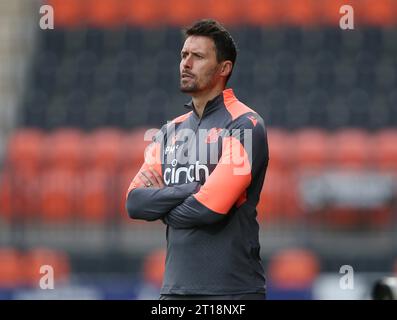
{"x": 75, "y": 102}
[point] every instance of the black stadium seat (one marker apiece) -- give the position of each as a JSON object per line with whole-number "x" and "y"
{"x": 89, "y": 77}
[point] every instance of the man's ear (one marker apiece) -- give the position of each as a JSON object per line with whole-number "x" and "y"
{"x": 226, "y": 68}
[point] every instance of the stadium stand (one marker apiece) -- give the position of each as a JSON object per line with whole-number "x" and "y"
{"x": 109, "y": 71}
{"x": 328, "y": 96}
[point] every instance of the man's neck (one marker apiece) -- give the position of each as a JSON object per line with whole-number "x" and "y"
{"x": 200, "y": 100}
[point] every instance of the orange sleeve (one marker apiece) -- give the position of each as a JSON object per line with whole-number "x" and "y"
{"x": 229, "y": 179}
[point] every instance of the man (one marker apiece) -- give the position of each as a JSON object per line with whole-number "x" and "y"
{"x": 202, "y": 176}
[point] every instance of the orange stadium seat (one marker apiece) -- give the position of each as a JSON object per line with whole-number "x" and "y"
{"x": 35, "y": 258}
{"x": 104, "y": 149}
{"x": 291, "y": 202}
{"x": 105, "y": 13}
{"x": 310, "y": 149}
{"x": 270, "y": 204}
{"x": 261, "y": 12}
{"x": 351, "y": 149}
{"x": 154, "y": 267}
{"x": 64, "y": 149}
{"x": 256, "y": 12}
{"x": 25, "y": 188}
{"x": 279, "y": 201}
{"x": 95, "y": 200}
{"x": 58, "y": 189}
{"x": 6, "y": 196}
{"x": 69, "y": 13}
{"x": 293, "y": 268}
{"x": 24, "y": 162}
{"x": 183, "y": 12}
{"x": 24, "y": 150}
{"x": 379, "y": 12}
{"x": 385, "y": 150}
{"x": 301, "y": 12}
{"x": 280, "y": 149}
{"x": 133, "y": 149}
{"x": 146, "y": 13}
{"x": 226, "y": 12}
{"x": 11, "y": 264}
{"x": 329, "y": 11}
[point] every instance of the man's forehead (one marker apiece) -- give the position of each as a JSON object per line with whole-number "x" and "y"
{"x": 198, "y": 43}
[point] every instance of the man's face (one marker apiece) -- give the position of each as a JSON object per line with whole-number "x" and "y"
{"x": 199, "y": 68}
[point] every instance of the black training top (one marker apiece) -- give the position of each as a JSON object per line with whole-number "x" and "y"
{"x": 213, "y": 168}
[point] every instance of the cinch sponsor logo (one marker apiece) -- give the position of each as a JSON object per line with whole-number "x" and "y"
{"x": 190, "y": 173}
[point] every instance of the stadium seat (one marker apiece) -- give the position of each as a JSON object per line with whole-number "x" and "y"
{"x": 316, "y": 102}
{"x": 24, "y": 161}
{"x": 6, "y": 196}
{"x": 385, "y": 75}
{"x": 182, "y": 12}
{"x": 117, "y": 102}
{"x": 104, "y": 148}
{"x": 277, "y": 205}
{"x": 293, "y": 268}
{"x": 359, "y": 102}
{"x": 381, "y": 12}
{"x": 277, "y": 102}
{"x": 34, "y": 108}
{"x": 64, "y": 149}
{"x": 154, "y": 267}
{"x": 329, "y": 11}
{"x": 280, "y": 149}
{"x": 350, "y": 149}
{"x": 134, "y": 146}
{"x": 75, "y": 103}
{"x": 11, "y": 268}
{"x": 305, "y": 74}
{"x": 104, "y": 13}
{"x": 148, "y": 13}
{"x": 301, "y": 13}
{"x": 69, "y": 13}
{"x": 96, "y": 198}
{"x": 24, "y": 150}
{"x": 25, "y": 202}
{"x": 229, "y": 14}
{"x": 269, "y": 207}
{"x": 57, "y": 194}
{"x": 259, "y": 12}
{"x": 385, "y": 150}
{"x": 33, "y": 261}
{"x": 389, "y": 46}
{"x": 310, "y": 149}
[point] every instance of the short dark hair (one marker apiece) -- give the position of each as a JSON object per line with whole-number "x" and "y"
{"x": 224, "y": 43}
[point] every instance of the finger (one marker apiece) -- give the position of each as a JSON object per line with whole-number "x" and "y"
{"x": 144, "y": 179}
{"x": 139, "y": 183}
{"x": 151, "y": 180}
{"x": 157, "y": 177}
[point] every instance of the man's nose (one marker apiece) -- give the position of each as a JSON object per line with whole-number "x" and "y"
{"x": 187, "y": 63}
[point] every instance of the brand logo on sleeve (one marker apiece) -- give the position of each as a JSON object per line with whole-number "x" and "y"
{"x": 253, "y": 120}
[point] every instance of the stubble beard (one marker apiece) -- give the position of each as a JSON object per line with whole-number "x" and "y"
{"x": 188, "y": 87}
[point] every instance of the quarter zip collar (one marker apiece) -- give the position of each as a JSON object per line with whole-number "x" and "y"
{"x": 211, "y": 105}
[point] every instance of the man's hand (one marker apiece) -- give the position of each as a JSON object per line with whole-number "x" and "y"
{"x": 150, "y": 179}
